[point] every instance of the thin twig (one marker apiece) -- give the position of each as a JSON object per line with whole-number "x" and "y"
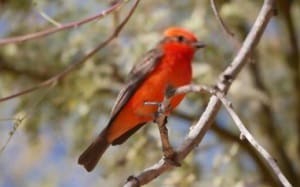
{"x": 221, "y": 21}
{"x": 17, "y": 121}
{"x": 48, "y": 18}
{"x": 245, "y": 133}
{"x": 198, "y": 131}
{"x": 52, "y": 30}
{"x": 62, "y": 74}
{"x": 224, "y": 27}
{"x": 160, "y": 119}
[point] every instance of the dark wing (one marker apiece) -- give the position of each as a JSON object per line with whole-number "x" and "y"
{"x": 137, "y": 75}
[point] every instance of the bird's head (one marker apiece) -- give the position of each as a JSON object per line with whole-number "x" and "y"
{"x": 180, "y": 38}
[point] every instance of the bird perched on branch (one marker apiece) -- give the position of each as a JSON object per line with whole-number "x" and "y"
{"x": 168, "y": 64}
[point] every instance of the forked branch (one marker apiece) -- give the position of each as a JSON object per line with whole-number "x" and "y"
{"x": 197, "y": 133}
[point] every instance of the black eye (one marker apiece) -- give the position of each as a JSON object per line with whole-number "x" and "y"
{"x": 180, "y": 38}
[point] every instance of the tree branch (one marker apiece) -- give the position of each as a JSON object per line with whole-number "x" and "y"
{"x": 61, "y": 75}
{"x": 266, "y": 172}
{"x": 269, "y": 124}
{"x": 74, "y": 24}
{"x": 245, "y": 133}
{"x": 199, "y": 130}
{"x": 220, "y": 20}
{"x": 227, "y": 135}
{"x": 160, "y": 119}
{"x": 224, "y": 27}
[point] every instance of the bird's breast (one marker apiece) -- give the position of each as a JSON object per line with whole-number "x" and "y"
{"x": 169, "y": 72}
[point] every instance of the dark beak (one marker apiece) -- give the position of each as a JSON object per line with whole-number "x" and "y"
{"x": 199, "y": 45}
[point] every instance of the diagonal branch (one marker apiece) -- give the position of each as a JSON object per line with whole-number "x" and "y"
{"x": 229, "y": 136}
{"x": 197, "y": 133}
{"x": 246, "y": 134}
{"x": 284, "y": 7}
{"x": 52, "y": 30}
{"x": 61, "y": 75}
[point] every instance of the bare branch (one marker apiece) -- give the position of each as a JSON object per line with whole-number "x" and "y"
{"x": 20, "y": 118}
{"x": 73, "y": 66}
{"x": 16, "y": 123}
{"x": 269, "y": 125}
{"x": 220, "y": 20}
{"x": 265, "y": 170}
{"x": 160, "y": 119}
{"x": 199, "y": 130}
{"x": 148, "y": 173}
{"x": 58, "y": 28}
{"x": 245, "y": 133}
{"x": 224, "y": 27}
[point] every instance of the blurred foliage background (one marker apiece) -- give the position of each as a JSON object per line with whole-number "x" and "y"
{"x": 61, "y": 120}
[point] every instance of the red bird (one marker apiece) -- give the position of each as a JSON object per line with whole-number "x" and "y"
{"x": 168, "y": 64}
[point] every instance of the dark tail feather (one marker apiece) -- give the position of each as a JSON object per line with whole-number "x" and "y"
{"x": 90, "y": 157}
